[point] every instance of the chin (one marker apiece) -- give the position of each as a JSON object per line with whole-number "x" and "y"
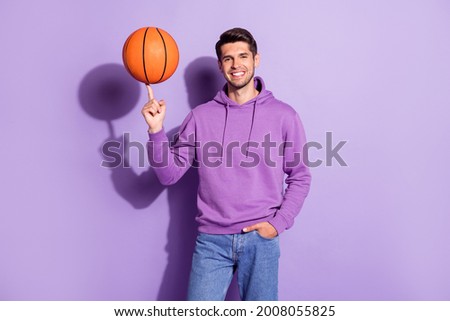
{"x": 241, "y": 84}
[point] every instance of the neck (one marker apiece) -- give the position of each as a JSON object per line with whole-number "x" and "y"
{"x": 244, "y": 94}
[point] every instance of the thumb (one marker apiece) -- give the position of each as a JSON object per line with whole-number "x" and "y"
{"x": 251, "y": 228}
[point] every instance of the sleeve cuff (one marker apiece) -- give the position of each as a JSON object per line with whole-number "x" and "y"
{"x": 279, "y": 223}
{"x": 158, "y": 136}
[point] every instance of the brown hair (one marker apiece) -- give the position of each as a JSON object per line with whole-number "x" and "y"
{"x": 235, "y": 35}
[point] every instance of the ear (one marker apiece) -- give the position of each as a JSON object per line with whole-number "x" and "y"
{"x": 257, "y": 60}
{"x": 219, "y": 64}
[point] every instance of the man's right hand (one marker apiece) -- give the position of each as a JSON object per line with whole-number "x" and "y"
{"x": 154, "y": 112}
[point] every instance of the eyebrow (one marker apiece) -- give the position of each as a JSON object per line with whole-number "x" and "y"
{"x": 239, "y": 54}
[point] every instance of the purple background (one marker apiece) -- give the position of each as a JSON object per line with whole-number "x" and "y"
{"x": 374, "y": 73}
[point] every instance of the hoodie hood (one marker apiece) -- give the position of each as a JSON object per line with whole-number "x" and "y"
{"x": 223, "y": 99}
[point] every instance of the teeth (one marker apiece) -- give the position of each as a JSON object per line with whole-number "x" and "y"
{"x": 238, "y": 73}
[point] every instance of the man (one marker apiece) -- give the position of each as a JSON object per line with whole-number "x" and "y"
{"x": 244, "y": 141}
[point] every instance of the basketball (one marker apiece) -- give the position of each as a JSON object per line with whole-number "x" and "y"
{"x": 150, "y": 55}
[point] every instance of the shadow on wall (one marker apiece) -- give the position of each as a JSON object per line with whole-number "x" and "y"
{"x": 108, "y": 93}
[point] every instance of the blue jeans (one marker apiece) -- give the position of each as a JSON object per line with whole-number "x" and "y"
{"x": 216, "y": 258}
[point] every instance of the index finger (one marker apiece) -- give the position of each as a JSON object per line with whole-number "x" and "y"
{"x": 150, "y": 92}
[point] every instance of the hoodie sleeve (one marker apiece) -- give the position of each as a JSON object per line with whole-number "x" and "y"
{"x": 298, "y": 178}
{"x": 171, "y": 162}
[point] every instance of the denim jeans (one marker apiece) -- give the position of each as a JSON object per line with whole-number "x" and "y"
{"x": 217, "y": 257}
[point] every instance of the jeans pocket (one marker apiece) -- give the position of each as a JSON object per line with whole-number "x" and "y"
{"x": 265, "y": 238}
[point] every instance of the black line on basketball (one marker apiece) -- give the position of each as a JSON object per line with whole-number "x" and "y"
{"x": 143, "y": 55}
{"x": 165, "y": 55}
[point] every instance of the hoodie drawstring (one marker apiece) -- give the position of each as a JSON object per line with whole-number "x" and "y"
{"x": 224, "y": 129}
{"x": 251, "y": 128}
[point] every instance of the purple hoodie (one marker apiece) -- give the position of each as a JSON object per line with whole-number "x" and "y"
{"x": 242, "y": 153}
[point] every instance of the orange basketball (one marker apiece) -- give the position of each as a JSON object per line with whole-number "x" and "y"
{"x": 150, "y": 55}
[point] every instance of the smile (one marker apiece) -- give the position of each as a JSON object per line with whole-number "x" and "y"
{"x": 237, "y": 74}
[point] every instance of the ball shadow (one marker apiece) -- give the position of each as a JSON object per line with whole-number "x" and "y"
{"x": 107, "y": 92}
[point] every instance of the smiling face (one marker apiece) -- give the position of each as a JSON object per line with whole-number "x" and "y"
{"x": 238, "y": 64}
